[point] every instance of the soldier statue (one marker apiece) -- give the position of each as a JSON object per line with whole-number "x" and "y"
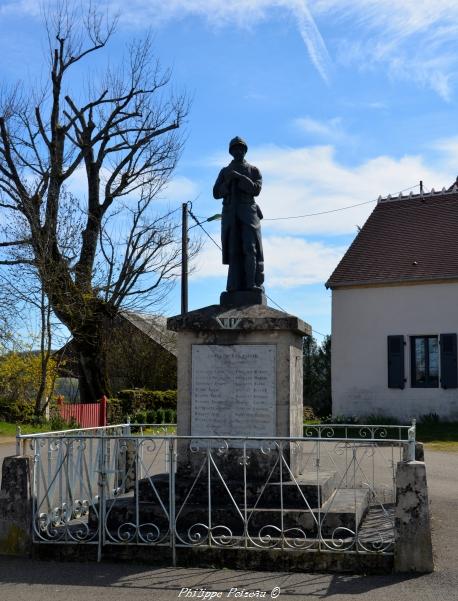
{"x": 238, "y": 184}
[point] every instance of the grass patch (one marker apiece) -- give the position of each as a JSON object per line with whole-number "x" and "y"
{"x": 159, "y": 431}
{"x": 446, "y": 446}
{"x": 9, "y": 429}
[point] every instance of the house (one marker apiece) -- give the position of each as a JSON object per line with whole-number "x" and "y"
{"x": 142, "y": 354}
{"x": 395, "y": 311}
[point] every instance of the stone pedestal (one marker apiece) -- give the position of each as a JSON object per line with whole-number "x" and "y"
{"x": 242, "y": 298}
{"x": 239, "y": 374}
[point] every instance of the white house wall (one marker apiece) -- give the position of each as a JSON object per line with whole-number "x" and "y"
{"x": 362, "y": 318}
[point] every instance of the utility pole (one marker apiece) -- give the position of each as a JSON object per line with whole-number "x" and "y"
{"x": 184, "y": 258}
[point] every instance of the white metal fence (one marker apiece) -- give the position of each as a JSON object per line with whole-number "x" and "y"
{"x": 331, "y": 490}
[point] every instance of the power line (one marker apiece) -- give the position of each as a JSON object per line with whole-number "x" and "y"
{"x": 202, "y": 227}
{"x": 319, "y": 213}
{"x": 319, "y": 333}
{"x": 359, "y": 204}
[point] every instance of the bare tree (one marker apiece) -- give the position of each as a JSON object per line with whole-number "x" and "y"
{"x": 95, "y": 254}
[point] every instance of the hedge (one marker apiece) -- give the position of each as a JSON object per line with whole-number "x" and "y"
{"x": 155, "y": 416}
{"x": 115, "y": 413}
{"x": 141, "y": 399}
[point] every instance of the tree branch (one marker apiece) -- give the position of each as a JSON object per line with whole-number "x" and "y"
{"x": 16, "y": 242}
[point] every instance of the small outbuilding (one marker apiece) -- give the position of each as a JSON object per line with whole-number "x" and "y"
{"x": 395, "y": 311}
{"x": 141, "y": 353}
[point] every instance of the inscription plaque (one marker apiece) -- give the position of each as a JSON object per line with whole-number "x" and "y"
{"x": 233, "y": 390}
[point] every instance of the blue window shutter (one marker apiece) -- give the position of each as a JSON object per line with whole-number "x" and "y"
{"x": 396, "y": 375}
{"x": 449, "y": 374}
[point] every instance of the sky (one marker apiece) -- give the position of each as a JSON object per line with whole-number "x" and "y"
{"x": 340, "y": 101}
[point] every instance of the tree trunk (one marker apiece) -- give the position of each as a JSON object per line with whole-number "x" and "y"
{"x": 92, "y": 378}
{"x": 91, "y": 349}
{"x": 45, "y": 354}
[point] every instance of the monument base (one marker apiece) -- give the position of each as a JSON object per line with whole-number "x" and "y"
{"x": 239, "y": 376}
{"x": 243, "y": 298}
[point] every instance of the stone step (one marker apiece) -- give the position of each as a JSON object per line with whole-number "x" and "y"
{"x": 343, "y": 511}
{"x": 196, "y": 492}
{"x": 308, "y": 490}
{"x": 345, "y": 508}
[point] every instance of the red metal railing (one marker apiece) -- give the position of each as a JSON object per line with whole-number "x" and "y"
{"x": 87, "y": 415}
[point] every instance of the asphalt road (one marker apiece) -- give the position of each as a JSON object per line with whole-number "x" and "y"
{"x": 26, "y": 580}
{"x": 7, "y": 448}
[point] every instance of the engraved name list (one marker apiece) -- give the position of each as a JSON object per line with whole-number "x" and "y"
{"x": 233, "y": 390}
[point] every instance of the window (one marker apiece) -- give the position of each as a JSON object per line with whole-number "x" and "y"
{"x": 424, "y": 361}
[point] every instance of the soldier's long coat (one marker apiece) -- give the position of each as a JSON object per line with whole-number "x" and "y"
{"x": 239, "y": 203}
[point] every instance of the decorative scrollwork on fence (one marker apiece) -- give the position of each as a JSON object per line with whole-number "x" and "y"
{"x": 240, "y": 493}
{"x": 147, "y": 533}
{"x": 65, "y": 523}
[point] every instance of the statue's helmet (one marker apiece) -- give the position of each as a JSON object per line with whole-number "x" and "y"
{"x": 237, "y": 140}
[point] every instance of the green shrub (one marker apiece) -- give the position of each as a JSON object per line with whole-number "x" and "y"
{"x": 161, "y": 419}
{"x": 139, "y": 399}
{"x": 169, "y": 416}
{"x": 16, "y": 411}
{"x": 429, "y": 419}
{"x": 115, "y": 413}
{"x": 139, "y": 417}
{"x": 340, "y": 419}
{"x": 151, "y": 416}
{"x": 382, "y": 420}
{"x": 57, "y": 422}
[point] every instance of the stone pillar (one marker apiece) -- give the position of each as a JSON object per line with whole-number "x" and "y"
{"x": 413, "y": 549}
{"x": 16, "y": 506}
{"x": 419, "y": 452}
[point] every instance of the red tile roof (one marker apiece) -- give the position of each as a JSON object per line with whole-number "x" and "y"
{"x": 413, "y": 238}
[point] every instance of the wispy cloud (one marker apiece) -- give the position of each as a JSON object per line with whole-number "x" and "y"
{"x": 411, "y": 40}
{"x": 330, "y": 128}
{"x": 20, "y": 7}
{"x": 311, "y": 35}
{"x": 416, "y": 41}
{"x": 180, "y": 189}
{"x": 312, "y": 179}
{"x": 244, "y": 14}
